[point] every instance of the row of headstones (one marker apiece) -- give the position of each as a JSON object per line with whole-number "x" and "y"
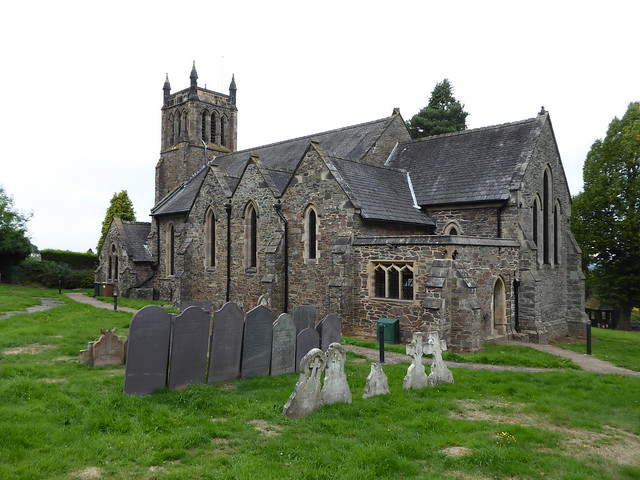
{"x": 308, "y": 394}
{"x": 178, "y": 350}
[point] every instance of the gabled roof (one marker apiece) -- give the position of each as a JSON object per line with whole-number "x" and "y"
{"x": 478, "y": 165}
{"x": 135, "y": 236}
{"x": 181, "y": 199}
{"x": 381, "y": 193}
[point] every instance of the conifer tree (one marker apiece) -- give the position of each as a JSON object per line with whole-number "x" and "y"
{"x": 443, "y": 114}
{"x": 120, "y": 206}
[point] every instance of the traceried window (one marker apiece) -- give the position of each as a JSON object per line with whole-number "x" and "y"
{"x": 210, "y": 239}
{"x": 223, "y": 130}
{"x": 311, "y": 234}
{"x": 203, "y": 127}
{"x": 392, "y": 280}
{"x": 214, "y": 126}
{"x": 251, "y": 237}
{"x": 170, "y": 250}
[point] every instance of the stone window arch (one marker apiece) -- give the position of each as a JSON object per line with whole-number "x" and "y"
{"x": 557, "y": 232}
{"x": 224, "y": 125}
{"x": 311, "y": 234}
{"x": 499, "y": 307}
{"x": 170, "y": 244}
{"x": 177, "y": 126}
{"x": 536, "y": 213}
{"x": 452, "y": 228}
{"x": 214, "y": 128}
{"x": 210, "y": 239}
{"x": 185, "y": 124}
{"x": 171, "y": 128}
{"x": 204, "y": 117}
{"x": 547, "y": 215}
{"x": 113, "y": 263}
{"x": 250, "y": 238}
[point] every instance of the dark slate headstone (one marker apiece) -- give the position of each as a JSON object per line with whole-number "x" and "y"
{"x": 330, "y": 331}
{"x": 283, "y": 350}
{"x": 189, "y": 344}
{"x": 226, "y": 343}
{"x": 204, "y": 304}
{"x": 307, "y": 339}
{"x": 148, "y": 351}
{"x": 304, "y": 316}
{"x": 256, "y": 346}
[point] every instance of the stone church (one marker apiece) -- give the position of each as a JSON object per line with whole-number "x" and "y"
{"x": 465, "y": 232}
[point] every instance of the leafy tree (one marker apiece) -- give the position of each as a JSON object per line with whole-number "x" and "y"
{"x": 606, "y": 215}
{"x": 443, "y": 114}
{"x": 120, "y": 206}
{"x": 14, "y": 243}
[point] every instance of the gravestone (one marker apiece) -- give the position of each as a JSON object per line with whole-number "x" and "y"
{"x": 256, "y": 345}
{"x": 330, "y": 331}
{"x": 106, "y": 351}
{"x": 336, "y": 387}
{"x": 226, "y": 343}
{"x": 189, "y": 344}
{"x": 440, "y": 373}
{"x": 377, "y": 383}
{"x": 148, "y": 351}
{"x": 306, "y": 340}
{"x": 306, "y": 396}
{"x": 416, "y": 376}
{"x": 304, "y": 316}
{"x": 203, "y": 304}
{"x": 283, "y": 350}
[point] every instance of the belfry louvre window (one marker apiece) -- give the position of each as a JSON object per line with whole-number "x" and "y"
{"x": 392, "y": 280}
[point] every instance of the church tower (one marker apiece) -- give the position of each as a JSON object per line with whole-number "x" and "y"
{"x": 197, "y": 125}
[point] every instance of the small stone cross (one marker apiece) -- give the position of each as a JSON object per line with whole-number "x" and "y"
{"x": 416, "y": 376}
{"x": 439, "y": 372}
{"x": 314, "y": 367}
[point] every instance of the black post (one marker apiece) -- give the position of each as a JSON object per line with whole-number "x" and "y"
{"x": 59, "y": 286}
{"x": 589, "y": 338}
{"x": 115, "y": 301}
{"x": 381, "y": 340}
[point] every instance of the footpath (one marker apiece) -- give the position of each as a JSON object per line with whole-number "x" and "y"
{"x": 588, "y": 363}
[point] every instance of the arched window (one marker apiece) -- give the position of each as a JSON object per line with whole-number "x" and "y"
{"x": 547, "y": 217}
{"x": 171, "y": 132}
{"x": 499, "y": 307}
{"x": 557, "y": 234}
{"x": 535, "y": 214}
{"x": 210, "y": 239}
{"x": 223, "y": 130}
{"x": 113, "y": 263}
{"x": 177, "y": 122}
{"x": 185, "y": 124}
{"x": 452, "y": 229}
{"x": 203, "y": 127}
{"x": 392, "y": 280}
{"x": 311, "y": 234}
{"x": 170, "y": 250}
{"x": 251, "y": 237}
{"x": 214, "y": 126}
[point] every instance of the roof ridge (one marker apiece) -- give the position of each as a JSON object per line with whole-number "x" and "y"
{"x": 473, "y": 130}
{"x": 310, "y": 136}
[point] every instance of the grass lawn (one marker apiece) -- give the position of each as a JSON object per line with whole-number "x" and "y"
{"x": 60, "y": 420}
{"x": 615, "y": 346}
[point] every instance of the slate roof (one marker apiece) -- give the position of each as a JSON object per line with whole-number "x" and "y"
{"x": 135, "y": 237}
{"x": 181, "y": 199}
{"x": 478, "y": 165}
{"x": 381, "y": 193}
{"x": 278, "y": 161}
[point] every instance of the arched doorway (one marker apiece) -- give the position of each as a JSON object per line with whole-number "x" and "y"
{"x": 499, "y": 308}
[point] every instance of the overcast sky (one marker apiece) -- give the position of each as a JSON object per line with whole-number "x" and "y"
{"x": 82, "y": 82}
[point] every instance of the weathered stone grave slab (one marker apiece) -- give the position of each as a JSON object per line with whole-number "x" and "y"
{"x": 440, "y": 373}
{"x": 306, "y": 396}
{"x": 106, "y": 351}
{"x": 283, "y": 349}
{"x": 148, "y": 351}
{"x": 304, "y": 316}
{"x": 306, "y": 340}
{"x": 203, "y": 304}
{"x": 330, "y": 331}
{"x": 226, "y": 343}
{"x": 189, "y": 344}
{"x": 377, "y": 383}
{"x": 256, "y": 345}
{"x": 416, "y": 376}
{"x": 336, "y": 388}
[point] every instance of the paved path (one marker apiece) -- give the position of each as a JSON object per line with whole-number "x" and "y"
{"x": 82, "y": 298}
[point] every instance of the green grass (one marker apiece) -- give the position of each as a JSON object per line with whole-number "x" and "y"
{"x": 618, "y": 347}
{"x": 17, "y": 299}
{"x": 58, "y": 419}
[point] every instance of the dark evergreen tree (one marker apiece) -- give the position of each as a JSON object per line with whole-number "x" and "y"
{"x": 605, "y": 217}
{"x": 120, "y": 206}
{"x": 14, "y": 243}
{"x": 443, "y": 114}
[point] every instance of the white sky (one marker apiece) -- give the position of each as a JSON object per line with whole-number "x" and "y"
{"x": 82, "y": 81}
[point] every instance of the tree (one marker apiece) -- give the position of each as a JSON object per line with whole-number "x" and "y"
{"x": 443, "y": 114}
{"x": 606, "y": 216}
{"x": 14, "y": 243}
{"x": 120, "y": 206}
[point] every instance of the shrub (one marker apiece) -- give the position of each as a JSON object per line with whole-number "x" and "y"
{"x": 51, "y": 274}
{"x": 76, "y": 260}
